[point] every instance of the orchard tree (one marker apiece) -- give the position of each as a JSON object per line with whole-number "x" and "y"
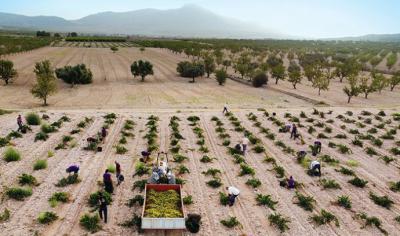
{"x": 353, "y": 90}
{"x": 72, "y": 75}
{"x": 312, "y": 71}
{"x": 190, "y": 69}
{"x": 259, "y": 79}
{"x": 395, "y": 80}
{"x": 278, "y": 73}
{"x": 226, "y": 63}
{"x": 195, "y": 70}
{"x": 379, "y": 81}
{"x": 263, "y": 67}
{"x": 294, "y": 74}
{"x": 347, "y": 68}
{"x": 209, "y": 65}
{"x": 290, "y": 55}
{"x": 7, "y": 71}
{"x": 321, "y": 82}
{"x": 114, "y": 49}
{"x": 274, "y": 61}
{"x": 243, "y": 65}
{"x": 221, "y": 76}
{"x": 142, "y": 69}
{"x": 366, "y": 86}
{"x": 45, "y": 81}
{"x": 219, "y": 56}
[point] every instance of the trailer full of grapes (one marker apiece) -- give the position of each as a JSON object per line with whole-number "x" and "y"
{"x": 163, "y": 207}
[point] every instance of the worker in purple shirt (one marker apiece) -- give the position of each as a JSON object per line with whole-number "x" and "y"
{"x": 108, "y": 186}
{"x": 72, "y": 169}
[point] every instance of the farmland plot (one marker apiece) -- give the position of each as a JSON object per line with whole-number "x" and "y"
{"x": 201, "y": 152}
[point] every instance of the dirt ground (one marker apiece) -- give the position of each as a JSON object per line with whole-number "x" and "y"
{"x": 114, "y": 86}
{"x": 166, "y": 95}
{"x": 253, "y": 217}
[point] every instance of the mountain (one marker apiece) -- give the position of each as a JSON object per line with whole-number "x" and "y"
{"x": 373, "y": 38}
{"x": 36, "y": 22}
{"x": 188, "y": 21}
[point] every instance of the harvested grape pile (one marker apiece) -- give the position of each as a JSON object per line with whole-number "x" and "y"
{"x": 163, "y": 204}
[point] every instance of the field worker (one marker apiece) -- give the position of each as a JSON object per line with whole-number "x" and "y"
{"x": 293, "y": 134}
{"x": 108, "y": 186}
{"x": 145, "y": 156}
{"x": 103, "y": 134}
{"x": 171, "y": 178}
{"x": 155, "y": 177}
{"x": 19, "y": 122}
{"x": 233, "y": 193}
{"x": 118, "y": 172}
{"x": 287, "y": 127}
{"x": 301, "y": 154}
{"x": 245, "y": 143}
{"x": 291, "y": 183}
{"x": 317, "y": 148}
{"x": 102, "y": 207}
{"x": 314, "y": 167}
{"x": 162, "y": 168}
{"x": 239, "y": 148}
{"x": 225, "y": 109}
{"x": 72, "y": 169}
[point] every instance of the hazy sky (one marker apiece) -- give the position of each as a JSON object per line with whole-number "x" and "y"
{"x": 305, "y": 18}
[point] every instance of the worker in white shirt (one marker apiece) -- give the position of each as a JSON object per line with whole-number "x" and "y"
{"x": 163, "y": 168}
{"x": 245, "y": 142}
{"x": 315, "y": 168}
{"x": 233, "y": 192}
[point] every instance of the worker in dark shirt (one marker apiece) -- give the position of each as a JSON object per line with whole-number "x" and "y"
{"x": 72, "y": 169}
{"x": 102, "y": 207}
{"x": 108, "y": 186}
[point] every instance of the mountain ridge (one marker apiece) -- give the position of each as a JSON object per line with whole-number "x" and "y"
{"x": 187, "y": 21}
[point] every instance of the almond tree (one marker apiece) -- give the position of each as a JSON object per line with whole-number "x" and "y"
{"x": 353, "y": 90}
{"x": 312, "y": 71}
{"x": 219, "y": 56}
{"x": 278, "y": 72}
{"x": 7, "y": 70}
{"x": 294, "y": 74}
{"x": 142, "y": 69}
{"x": 46, "y": 84}
{"x": 114, "y": 49}
{"x": 226, "y": 63}
{"x": 243, "y": 65}
{"x": 221, "y": 76}
{"x": 321, "y": 81}
{"x": 346, "y": 69}
{"x": 395, "y": 80}
{"x": 379, "y": 81}
{"x": 209, "y": 64}
{"x": 366, "y": 86}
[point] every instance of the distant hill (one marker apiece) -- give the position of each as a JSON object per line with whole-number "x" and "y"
{"x": 188, "y": 21}
{"x": 373, "y": 38}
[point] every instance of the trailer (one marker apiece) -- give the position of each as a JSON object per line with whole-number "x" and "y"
{"x": 163, "y": 223}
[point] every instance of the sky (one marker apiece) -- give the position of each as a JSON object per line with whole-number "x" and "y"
{"x": 302, "y": 18}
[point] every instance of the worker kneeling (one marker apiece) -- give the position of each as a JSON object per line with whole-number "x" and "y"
{"x": 72, "y": 169}
{"x": 233, "y": 193}
{"x": 315, "y": 168}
